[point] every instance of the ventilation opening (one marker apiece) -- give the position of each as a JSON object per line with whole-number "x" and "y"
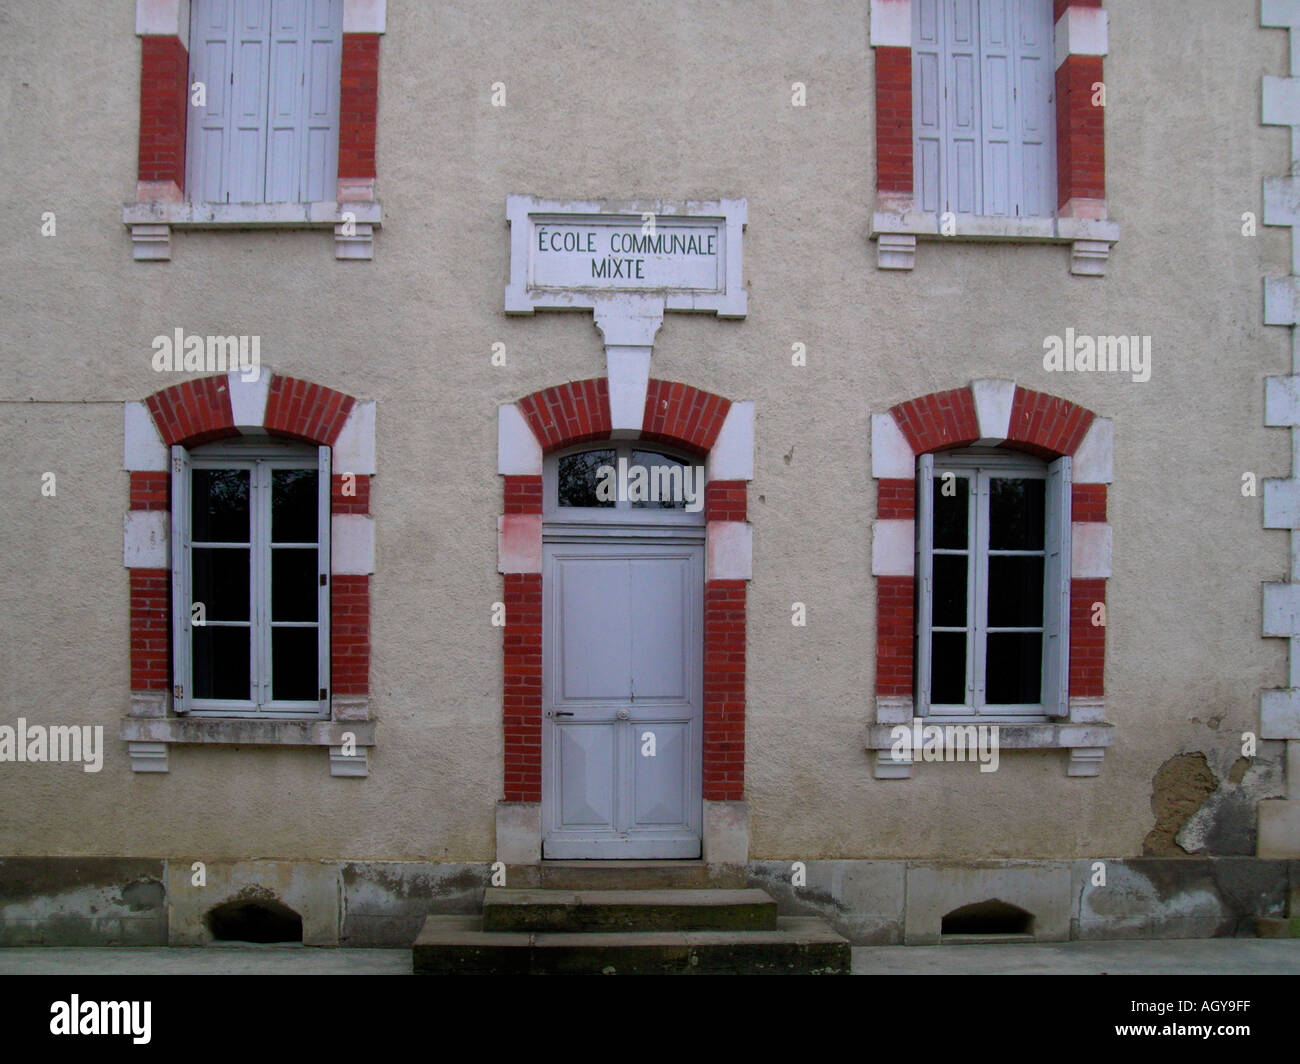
{"x": 262, "y": 920}
{"x": 988, "y": 919}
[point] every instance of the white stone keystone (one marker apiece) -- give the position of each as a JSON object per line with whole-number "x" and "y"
{"x": 993, "y": 401}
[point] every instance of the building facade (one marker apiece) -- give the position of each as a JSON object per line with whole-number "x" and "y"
{"x": 337, "y": 332}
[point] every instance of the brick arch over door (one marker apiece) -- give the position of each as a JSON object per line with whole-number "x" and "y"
{"x": 194, "y": 412}
{"x": 675, "y": 414}
{"x": 988, "y": 413}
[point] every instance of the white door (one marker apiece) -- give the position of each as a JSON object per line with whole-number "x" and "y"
{"x": 622, "y": 699}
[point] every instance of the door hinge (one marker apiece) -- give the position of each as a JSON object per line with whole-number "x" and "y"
{"x": 322, "y": 579}
{"x": 324, "y": 693}
{"x": 178, "y": 691}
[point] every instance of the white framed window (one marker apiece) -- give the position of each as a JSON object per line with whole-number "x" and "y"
{"x": 983, "y": 107}
{"x": 993, "y": 587}
{"x": 250, "y": 579}
{"x": 267, "y": 129}
{"x": 622, "y": 482}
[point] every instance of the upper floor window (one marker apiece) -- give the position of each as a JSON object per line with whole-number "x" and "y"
{"x": 250, "y": 575}
{"x": 993, "y": 557}
{"x": 268, "y": 127}
{"x": 983, "y": 107}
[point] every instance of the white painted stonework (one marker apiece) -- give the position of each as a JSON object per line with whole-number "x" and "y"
{"x": 893, "y": 548}
{"x": 145, "y": 539}
{"x": 891, "y": 454}
{"x": 163, "y": 18}
{"x": 567, "y": 253}
{"x": 518, "y": 452}
{"x": 1282, "y": 401}
{"x": 365, "y": 16}
{"x": 897, "y": 231}
{"x": 354, "y": 450}
{"x": 993, "y": 400}
{"x": 891, "y": 23}
{"x": 629, "y": 380}
{"x": 352, "y": 544}
{"x": 1094, "y": 460}
{"x": 143, "y": 449}
{"x": 730, "y": 548}
{"x": 248, "y": 398}
{"x": 1081, "y": 31}
{"x": 1282, "y": 610}
{"x": 732, "y": 457}
{"x": 1282, "y": 504}
{"x": 519, "y": 543}
{"x": 1090, "y": 550}
{"x": 1281, "y": 297}
{"x": 1280, "y": 715}
{"x": 1279, "y": 819}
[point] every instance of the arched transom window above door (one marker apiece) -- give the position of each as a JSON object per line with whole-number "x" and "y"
{"x": 623, "y": 481}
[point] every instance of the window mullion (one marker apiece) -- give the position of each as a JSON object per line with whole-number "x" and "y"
{"x": 262, "y": 584}
{"x": 979, "y": 599}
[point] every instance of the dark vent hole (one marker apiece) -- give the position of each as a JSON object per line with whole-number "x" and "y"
{"x": 255, "y": 921}
{"x": 988, "y": 918}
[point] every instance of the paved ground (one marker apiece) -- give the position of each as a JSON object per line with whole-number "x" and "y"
{"x": 1240, "y": 956}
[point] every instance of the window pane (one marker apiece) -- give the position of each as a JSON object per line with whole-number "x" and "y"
{"x": 219, "y": 506}
{"x": 220, "y": 581}
{"x": 951, "y": 511}
{"x": 220, "y": 666}
{"x": 293, "y": 505}
{"x": 578, "y": 481}
{"x": 295, "y": 584}
{"x": 668, "y": 483}
{"x": 950, "y": 590}
{"x": 1015, "y": 591}
{"x": 948, "y": 669}
{"x": 1016, "y": 513}
{"x": 294, "y": 676}
{"x": 1013, "y": 669}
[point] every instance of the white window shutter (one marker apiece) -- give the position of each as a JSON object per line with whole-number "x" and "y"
{"x": 319, "y": 128}
{"x": 924, "y": 580}
{"x": 246, "y": 169}
{"x": 211, "y": 63}
{"x": 1000, "y": 145}
{"x": 325, "y": 580}
{"x": 1035, "y": 115}
{"x": 965, "y": 130}
{"x": 929, "y": 74}
{"x": 1056, "y": 591}
{"x": 180, "y": 603}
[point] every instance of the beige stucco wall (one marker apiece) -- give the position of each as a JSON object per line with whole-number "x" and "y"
{"x": 614, "y": 100}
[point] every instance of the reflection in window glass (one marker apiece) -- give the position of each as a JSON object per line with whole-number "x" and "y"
{"x": 669, "y": 481}
{"x": 577, "y": 479}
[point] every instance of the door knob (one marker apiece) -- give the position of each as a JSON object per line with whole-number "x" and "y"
{"x": 623, "y": 714}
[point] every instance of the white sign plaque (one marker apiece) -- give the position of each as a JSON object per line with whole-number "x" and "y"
{"x": 570, "y": 254}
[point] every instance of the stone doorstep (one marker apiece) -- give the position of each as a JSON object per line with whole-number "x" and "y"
{"x": 799, "y": 945}
{"x": 558, "y": 911}
{"x": 623, "y": 875}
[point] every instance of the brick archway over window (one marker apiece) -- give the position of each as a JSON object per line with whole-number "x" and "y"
{"x": 194, "y": 412}
{"x": 699, "y": 422}
{"x": 988, "y": 413}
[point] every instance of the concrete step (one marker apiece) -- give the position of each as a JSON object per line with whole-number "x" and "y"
{"x": 557, "y": 911}
{"x": 457, "y": 945}
{"x": 623, "y": 875}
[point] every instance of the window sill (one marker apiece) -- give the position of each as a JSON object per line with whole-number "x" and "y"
{"x": 151, "y": 223}
{"x": 896, "y": 234}
{"x": 1086, "y": 735}
{"x": 149, "y": 737}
